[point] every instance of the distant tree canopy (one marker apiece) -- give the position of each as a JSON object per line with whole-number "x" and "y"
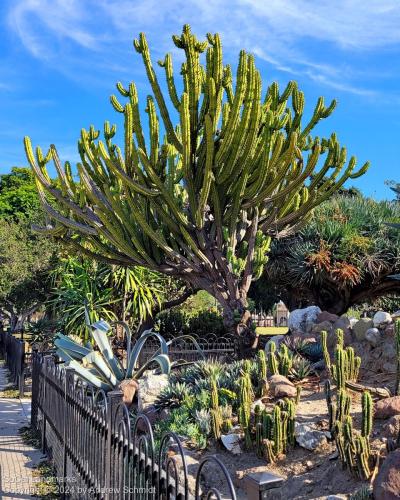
{"x": 344, "y": 256}
{"x": 18, "y": 194}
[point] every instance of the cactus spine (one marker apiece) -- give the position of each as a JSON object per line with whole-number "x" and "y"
{"x": 159, "y": 202}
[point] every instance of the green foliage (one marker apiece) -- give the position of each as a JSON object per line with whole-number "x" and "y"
{"x": 182, "y": 423}
{"x": 343, "y": 256}
{"x": 104, "y": 291}
{"x": 18, "y": 195}
{"x": 175, "y": 322}
{"x": 201, "y": 197}
{"x": 25, "y": 261}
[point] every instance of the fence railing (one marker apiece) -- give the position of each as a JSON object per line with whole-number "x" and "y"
{"x": 217, "y": 348}
{"x": 16, "y": 358}
{"x": 101, "y": 452}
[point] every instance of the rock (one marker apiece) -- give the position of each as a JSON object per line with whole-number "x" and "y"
{"x": 352, "y": 322}
{"x": 387, "y": 407}
{"x": 128, "y": 388}
{"x": 336, "y": 497}
{"x": 232, "y": 443}
{"x": 343, "y": 323}
{"x": 361, "y": 327}
{"x": 387, "y": 482}
{"x": 381, "y": 319}
{"x": 392, "y": 427}
{"x": 389, "y": 330}
{"x": 302, "y": 320}
{"x": 310, "y": 438}
{"x": 396, "y": 315}
{"x": 327, "y": 316}
{"x": 150, "y": 386}
{"x": 389, "y": 350}
{"x": 373, "y": 336}
{"x": 281, "y": 387}
{"x": 320, "y": 327}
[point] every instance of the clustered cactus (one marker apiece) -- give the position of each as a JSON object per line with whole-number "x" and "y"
{"x": 245, "y": 399}
{"x": 354, "y": 448}
{"x": 397, "y": 335}
{"x": 347, "y": 364}
{"x": 279, "y": 362}
{"x": 275, "y": 431}
{"x": 216, "y": 417}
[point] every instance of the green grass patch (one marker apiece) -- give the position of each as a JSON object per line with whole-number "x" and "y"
{"x": 272, "y": 330}
{"x": 30, "y": 436}
{"x": 46, "y": 486}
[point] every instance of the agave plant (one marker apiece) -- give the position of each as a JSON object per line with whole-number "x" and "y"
{"x": 301, "y": 368}
{"x": 101, "y": 368}
{"x": 173, "y": 396}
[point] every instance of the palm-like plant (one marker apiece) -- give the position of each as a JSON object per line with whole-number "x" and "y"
{"x": 344, "y": 256}
{"x": 105, "y": 291}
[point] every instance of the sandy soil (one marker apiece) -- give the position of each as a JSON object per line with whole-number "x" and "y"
{"x": 308, "y": 474}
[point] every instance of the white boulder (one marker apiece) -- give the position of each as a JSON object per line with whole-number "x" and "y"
{"x": 382, "y": 319}
{"x": 303, "y": 320}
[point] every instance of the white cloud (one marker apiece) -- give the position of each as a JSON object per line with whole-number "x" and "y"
{"x": 278, "y": 31}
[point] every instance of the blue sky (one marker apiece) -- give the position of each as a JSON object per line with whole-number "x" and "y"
{"x": 60, "y": 60}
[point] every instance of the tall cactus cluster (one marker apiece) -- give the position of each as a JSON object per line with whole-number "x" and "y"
{"x": 397, "y": 337}
{"x": 245, "y": 400}
{"x": 353, "y": 447}
{"x": 347, "y": 364}
{"x": 275, "y": 431}
{"x": 279, "y": 362}
{"x": 262, "y": 373}
{"x": 198, "y": 191}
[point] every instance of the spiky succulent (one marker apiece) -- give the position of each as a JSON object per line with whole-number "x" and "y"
{"x": 173, "y": 396}
{"x": 301, "y": 368}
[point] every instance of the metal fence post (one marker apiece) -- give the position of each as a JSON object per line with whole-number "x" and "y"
{"x": 69, "y": 372}
{"x": 114, "y": 398}
{"x": 21, "y": 375}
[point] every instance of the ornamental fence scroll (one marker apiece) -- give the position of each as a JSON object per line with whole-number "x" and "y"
{"x": 101, "y": 452}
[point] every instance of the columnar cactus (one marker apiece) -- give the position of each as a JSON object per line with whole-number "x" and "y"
{"x": 327, "y": 357}
{"x": 245, "y": 400}
{"x": 285, "y": 360}
{"x": 273, "y": 367}
{"x": 397, "y": 333}
{"x": 367, "y": 414}
{"x": 202, "y": 201}
{"x": 216, "y": 418}
{"x": 262, "y": 372}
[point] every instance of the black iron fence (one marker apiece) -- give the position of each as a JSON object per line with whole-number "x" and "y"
{"x": 212, "y": 347}
{"x": 17, "y": 359}
{"x": 100, "y": 451}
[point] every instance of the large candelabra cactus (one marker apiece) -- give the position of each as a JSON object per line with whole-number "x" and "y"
{"x": 202, "y": 202}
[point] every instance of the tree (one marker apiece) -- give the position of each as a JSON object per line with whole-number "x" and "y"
{"x": 345, "y": 256}
{"x": 202, "y": 203}
{"x": 18, "y": 194}
{"x": 25, "y": 260}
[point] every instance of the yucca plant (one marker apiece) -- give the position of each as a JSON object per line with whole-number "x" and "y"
{"x": 101, "y": 368}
